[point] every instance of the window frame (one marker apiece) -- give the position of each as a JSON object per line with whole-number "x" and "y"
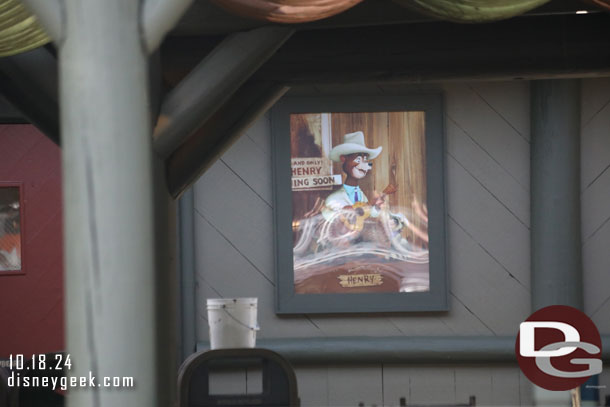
{"x": 20, "y": 186}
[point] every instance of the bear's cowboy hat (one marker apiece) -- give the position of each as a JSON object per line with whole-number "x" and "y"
{"x": 353, "y": 143}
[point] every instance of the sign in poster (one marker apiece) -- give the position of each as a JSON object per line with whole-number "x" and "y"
{"x": 310, "y": 174}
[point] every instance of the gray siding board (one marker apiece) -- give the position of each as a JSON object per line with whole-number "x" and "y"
{"x": 447, "y": 384}
{"x": 417, "y": 326}
{"x": 501, "y": 97}
{"x": 473, "y": 381}
{"x": 596, "y": 259}
{"x": 461, "y": 320}
{"x": 234, "y": 276}
{"x": 526, "y": 391}
{"x": 350, "y": 385}
{"x": 601, "y": 317}
{"x": 595, "y": 146}
{"x": 596, "y": 205}
{"x": 312, "y": 382}
{"x": 505, "y": 384}
{"x": 358, "y": 325}
{"x": 396, "y": 384}
{"x": 488, "y": 173}
{"x": 595, "y": 96}
{"x": 488, "y": 222}
{"x": 485, "y": 287}
{"x": 239, "y": 214}
{"x": 595, "y": 199}
{"x": 483, "y": 124}
{"x": 432, "y": 382}
{"x": 252, "y": 165}
{"x": 259, "y": 133}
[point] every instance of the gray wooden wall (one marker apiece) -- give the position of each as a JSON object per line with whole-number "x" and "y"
{"x": 487, "y": 160}
{"x": 595, "y": 187}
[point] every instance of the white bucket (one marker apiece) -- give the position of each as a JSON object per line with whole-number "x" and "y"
{"x": 232, "y": 322}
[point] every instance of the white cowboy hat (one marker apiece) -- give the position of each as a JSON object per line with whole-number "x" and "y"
{"x": 353, "y": 143}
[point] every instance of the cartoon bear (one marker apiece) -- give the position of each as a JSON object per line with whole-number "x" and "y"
{"x": 355, "y": 157}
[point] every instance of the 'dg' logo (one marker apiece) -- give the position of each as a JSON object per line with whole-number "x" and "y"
{"x": 558, "y": 348}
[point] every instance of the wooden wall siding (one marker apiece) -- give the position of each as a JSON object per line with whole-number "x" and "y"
{"x": 487, "y": 126}
{"x": 32, "y": 303}
{"x": 595, "y": 186}
{"x": 488, "y": 204}
{"x": 487, "y": 160}
{"x": 385, "y": 385}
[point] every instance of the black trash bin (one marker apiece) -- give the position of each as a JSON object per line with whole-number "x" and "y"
{"x": 279, "y": 386}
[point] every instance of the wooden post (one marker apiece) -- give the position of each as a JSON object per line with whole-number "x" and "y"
{"x": 556, "y": 257}
{"x": 119, "y": 223}
{"x": 111, "y": 278}
{"x": 555, "y": 194}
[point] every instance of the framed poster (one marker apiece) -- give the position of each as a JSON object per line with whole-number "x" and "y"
{"x": 359, "y": 204}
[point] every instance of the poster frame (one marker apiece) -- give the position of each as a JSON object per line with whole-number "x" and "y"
{"x": 286, "y": 300}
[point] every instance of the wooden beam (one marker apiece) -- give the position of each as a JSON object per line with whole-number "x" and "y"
{"x": 212, "y": 83}
{"x": 526, "y": 48}
{"x": 210, "y": 141}
{"x": 529, "y": 47}
{"x": 9, "y": 114}
{"x": 29, "y": 82}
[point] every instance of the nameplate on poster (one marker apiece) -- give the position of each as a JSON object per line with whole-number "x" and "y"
{"x": 360, "y": 280}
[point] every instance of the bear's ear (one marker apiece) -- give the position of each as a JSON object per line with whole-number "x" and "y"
{"x": 342, "y": 157}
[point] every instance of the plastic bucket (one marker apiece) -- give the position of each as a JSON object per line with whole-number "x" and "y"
{"x": 232, "y": 322}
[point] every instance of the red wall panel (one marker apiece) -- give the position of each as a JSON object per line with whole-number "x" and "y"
{"x": 31, "y": 303}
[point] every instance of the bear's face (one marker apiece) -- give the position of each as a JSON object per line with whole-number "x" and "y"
{"x": 356, "y": 165}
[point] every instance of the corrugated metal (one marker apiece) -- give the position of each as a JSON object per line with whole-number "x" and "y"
{"x": 19, "y": 30}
